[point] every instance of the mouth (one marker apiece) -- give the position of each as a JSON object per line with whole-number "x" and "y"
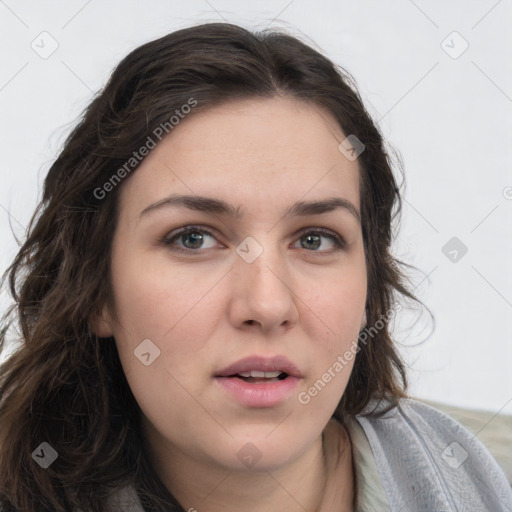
{"x": 259, "y": 382}
{"x": 256, "y": 376}
{"x": 259, "y": 367}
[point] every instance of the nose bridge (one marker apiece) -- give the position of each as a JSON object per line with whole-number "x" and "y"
{"x": 261, "y": 264}
{"x": 263, "y": 282}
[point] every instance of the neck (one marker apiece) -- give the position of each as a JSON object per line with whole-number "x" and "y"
{"x": 320, "y": 480}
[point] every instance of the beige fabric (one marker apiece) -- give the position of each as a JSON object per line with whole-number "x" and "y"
{"x": 370, "y": 493}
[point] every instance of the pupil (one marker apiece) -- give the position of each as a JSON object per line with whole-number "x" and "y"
{"x": 196, "y": 240}
{"x": 316, "y": 239}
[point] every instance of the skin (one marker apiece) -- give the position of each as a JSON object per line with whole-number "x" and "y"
{"x": 207, "y": 309}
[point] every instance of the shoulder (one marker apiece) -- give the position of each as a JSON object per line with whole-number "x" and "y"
{"x": 429, "y": 461}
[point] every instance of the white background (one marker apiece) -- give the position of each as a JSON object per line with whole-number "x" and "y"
{"x": 447, "y": 117}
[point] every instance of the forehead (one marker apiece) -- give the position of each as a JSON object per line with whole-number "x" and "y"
{"x": 254, "y": 150}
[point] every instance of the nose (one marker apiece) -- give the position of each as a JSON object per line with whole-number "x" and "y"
{"x": 263, "y": 294}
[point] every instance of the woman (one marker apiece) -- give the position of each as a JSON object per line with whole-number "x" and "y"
{"x": 204, "y": 299}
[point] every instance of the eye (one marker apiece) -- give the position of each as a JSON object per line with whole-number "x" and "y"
{"x": 313, "y": 239}
{"x": 191, "y": 238}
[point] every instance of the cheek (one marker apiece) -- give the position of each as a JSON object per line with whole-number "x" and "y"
{"x": 340, "y": 305}
{"x": 163, "y": 303}
{"x": 177, "y": 312}
{"x": 335, "y": 311}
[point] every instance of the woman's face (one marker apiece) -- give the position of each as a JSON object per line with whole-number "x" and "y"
{"x": 259, "y": 276}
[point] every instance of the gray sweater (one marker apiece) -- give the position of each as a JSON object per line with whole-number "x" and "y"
{"x": 426, "y": 462}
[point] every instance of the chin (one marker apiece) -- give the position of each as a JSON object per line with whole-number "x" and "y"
{"x": 263, "y": 449}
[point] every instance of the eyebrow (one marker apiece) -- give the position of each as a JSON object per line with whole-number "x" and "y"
{"x": 220, "y": 207}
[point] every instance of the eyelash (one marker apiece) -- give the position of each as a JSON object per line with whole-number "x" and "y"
{"x": 167, "y": 241}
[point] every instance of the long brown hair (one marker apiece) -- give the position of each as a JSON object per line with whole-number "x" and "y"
{"x": 65, "y": 386}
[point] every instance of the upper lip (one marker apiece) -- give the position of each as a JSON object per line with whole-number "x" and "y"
{"x": 265, "y": 364}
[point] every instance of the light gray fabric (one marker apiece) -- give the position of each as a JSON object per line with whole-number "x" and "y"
{"x": 429, "y": 462}
{"x": 494, "y": 430}
{"x": 420, "y": 467}
{"x": 126, "y": 500}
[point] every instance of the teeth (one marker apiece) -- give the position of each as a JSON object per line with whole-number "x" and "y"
{"x": 260, "y": 374}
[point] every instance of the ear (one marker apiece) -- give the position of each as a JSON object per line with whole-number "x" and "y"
{"x": 363, "y": 321}
{"x": 101, "y": 323}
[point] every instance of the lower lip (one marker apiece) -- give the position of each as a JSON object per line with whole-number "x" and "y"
{"x": 259, "y": 394}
